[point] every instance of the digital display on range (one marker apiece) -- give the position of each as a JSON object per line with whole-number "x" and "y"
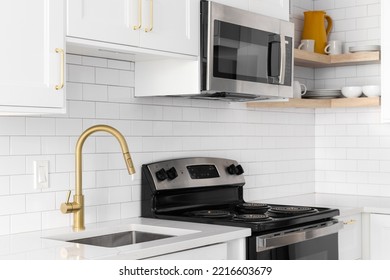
{"x": 202, "y": 171}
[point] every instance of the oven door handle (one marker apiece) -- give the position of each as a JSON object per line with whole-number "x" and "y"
{"x": 279, "y": 239}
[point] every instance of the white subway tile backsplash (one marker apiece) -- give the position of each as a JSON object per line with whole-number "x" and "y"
{"x": 25, "y": 145}
{"x": 94, "y": 61}
{"x": 54, "y": 219}
{"x": 126, "y": 78}
{"x": 107, "y": 110}
{"x": 4, "y": 225}
{"x": 4, "y": 146}
{"x": 12, "y": 126}
{"x": 324, "y": 4}
{"x": 130, "y": 209}
{"x": 78, "y": 109}
{"x": 118, "y": 64}
{"x": 345, "y": 3}
{"x": 69, "y": 127}
{"x": 120, "y": 194}
{"x": 345, "y": 25}
{"x": 107, "y": 76}
{"x": 40, "y": 126}
{"x": 81, "y": 74}
{"x": 356, "y": 12}
{"x": 26, "y": 222}
{"x": 4, "y": 185}
{"x": 74, "y": 91}
{"x": 374, "y": 10}
{"x": 12, "y": 165}
{"x": 93, "y": 92}
{"x": 40, "y": 202}
{"x": 73, "y": 59}
{"x": 12, "y": 204}
{"x": 22, "y": 184}
{"x": 108, "y": 212}
{"x": 120, "y": 94}
{"x": 367, "y": 22}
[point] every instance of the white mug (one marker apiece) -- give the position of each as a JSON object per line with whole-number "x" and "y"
{"x": 299, "y": 89}
{"x": 307, "y": 45}
{"x": 334, "y": 47}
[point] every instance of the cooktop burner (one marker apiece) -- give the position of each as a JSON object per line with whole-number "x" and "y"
{"x": 258, "y": 208}
{"x": 286, "y": 211}
{"x": 212, "y": 214}
{"x": 251, "y": 217}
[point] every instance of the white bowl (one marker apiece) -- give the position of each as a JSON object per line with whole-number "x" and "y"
{"x": 371, "y": 91}
{"x": 351, "y": 92}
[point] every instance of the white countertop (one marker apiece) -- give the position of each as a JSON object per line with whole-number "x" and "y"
{"x": 347, "y": 204}
{"x": 36, "y": 245}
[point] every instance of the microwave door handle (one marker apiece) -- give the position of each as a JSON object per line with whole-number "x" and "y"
{"x": 282, "y": 59}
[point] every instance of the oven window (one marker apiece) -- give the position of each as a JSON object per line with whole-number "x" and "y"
{"x": 322, "y": 248}
{"x": 241, "y": 53}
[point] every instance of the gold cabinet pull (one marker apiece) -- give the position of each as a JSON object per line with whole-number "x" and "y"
{"x": 136, "y": 27}
{"x": 350, "y": 222}
{"x": 62, "y": 54}
{"x": 150, "y": 28}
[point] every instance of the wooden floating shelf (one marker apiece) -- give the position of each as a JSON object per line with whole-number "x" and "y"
{"x": 320, "y": 103}
{"x": 309, "y": 59}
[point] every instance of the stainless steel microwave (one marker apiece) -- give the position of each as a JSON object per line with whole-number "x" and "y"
{"x": 244, "y": 56}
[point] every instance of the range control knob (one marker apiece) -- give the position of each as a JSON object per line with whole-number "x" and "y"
{"x": 235, "y": 169}
{"x": 231, "y": 169}
{"x": 172, "y": 173}
{"x": 161, "y": 174}
{"x": 239, "y": 170}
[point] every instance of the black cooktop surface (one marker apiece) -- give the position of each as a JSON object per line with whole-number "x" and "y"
{"x": 274, "y": 218}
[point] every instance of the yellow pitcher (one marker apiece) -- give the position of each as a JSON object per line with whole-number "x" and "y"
{"x": 314, "y": 29}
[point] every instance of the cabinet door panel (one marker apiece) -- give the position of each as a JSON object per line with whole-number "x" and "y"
{"x": 175, "y": 26}
{"x": 379, "y": 237}
{"x": 104, "y": 20}
{"x": 242, "y": 4}
{"x": 30, "y": 67}
{"x": 278, "y": 9}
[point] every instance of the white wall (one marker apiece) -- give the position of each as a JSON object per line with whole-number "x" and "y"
{"x": 276, "y": 147}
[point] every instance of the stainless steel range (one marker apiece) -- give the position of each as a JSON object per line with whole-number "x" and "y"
{"x": 210, "y": 190}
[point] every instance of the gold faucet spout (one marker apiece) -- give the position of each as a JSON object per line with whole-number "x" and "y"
{"x": 77, "y": 206}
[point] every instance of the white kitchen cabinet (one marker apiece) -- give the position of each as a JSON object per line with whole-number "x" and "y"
{"x": 164, "y": 25}
{"x": 379, "y": 237}
{"x": 385, "y": 62}
{"x": 350, "y": 238}
{"x": 211, "y": 252}
{"x": 32, "y": 56}
{"x": 278, "y": 9}
{"x": 104, "y": 20}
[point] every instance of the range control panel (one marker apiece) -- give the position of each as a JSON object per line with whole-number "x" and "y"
{"x": 195, "y": 172}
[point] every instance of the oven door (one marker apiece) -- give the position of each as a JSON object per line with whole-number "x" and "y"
{"x": 244, "y": 52}
{"x": 312, "y": 242}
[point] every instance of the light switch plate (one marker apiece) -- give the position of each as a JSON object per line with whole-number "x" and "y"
{"x": 41, "y": 174}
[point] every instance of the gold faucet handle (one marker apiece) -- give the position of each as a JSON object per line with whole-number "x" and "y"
{"x": 67, "y": 207}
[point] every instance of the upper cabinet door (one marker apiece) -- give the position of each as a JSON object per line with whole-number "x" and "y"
{"x": 115, "y": 21}
{"x": 274, "y": 8}
{"x": 32, "y": 55}
{"x": 171, "y": 25}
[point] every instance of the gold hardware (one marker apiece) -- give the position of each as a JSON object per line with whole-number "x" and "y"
{"x": 62, "y": 82}
{"x": 350, "y": 222}
{"x": 136, "y": 27}
{"x": 150, "y": 28}
{"x": 77, "y": 206}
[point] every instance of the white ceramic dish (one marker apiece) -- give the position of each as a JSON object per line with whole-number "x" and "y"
{"x": 351, "y": 92}
{"x": 371, "y": 91}
{"x": 370, "y": 48}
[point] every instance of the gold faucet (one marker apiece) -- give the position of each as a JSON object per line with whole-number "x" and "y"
{"x": 77, "y": 206}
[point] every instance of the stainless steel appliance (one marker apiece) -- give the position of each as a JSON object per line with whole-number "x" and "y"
{"x": 244, "y": 55}
{"x": 210, "y": 190}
